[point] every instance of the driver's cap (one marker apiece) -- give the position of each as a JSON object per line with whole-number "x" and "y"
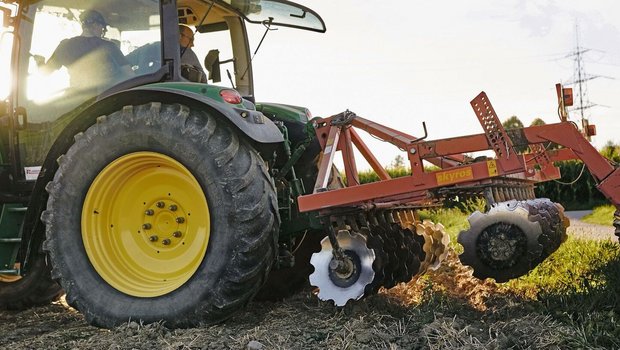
{"x": 92, "y": 16}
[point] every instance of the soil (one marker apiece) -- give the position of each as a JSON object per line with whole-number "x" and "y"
{"x": 445, "y": 309}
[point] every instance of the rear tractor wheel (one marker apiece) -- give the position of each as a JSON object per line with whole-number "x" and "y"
{"x": 159, "y": 212}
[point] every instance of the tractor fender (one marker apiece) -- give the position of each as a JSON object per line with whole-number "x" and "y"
{"x": 250, "y": 122}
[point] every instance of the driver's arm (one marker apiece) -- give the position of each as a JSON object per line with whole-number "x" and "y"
{"x": 121, "y": 61}
{"x": 57, "y": 60}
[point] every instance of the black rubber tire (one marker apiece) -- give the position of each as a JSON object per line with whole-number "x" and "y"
{"x": 33, "y": 289}
{"x": 241, "y": 199}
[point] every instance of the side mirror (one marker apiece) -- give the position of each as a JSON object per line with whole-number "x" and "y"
{"x": 212, "y": 63}
{"x": 6, "y": 17}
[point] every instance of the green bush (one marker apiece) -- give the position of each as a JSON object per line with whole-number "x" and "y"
{"x": 602, "y": 215}
{"x": 575, "y": 190}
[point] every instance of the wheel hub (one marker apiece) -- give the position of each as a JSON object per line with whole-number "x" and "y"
{"x": 501, "y": 245}
{"x": 345, "y": 271}
{"x": 164, "y": 224}
{"x": 343, "y": 268}
{"x": 502, "y": 248}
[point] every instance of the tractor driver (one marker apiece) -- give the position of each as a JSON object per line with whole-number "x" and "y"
{"x": 190, "y": 65}
{"x": 94, "y": 63}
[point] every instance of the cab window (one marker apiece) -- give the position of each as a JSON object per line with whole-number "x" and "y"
{"x": 72, "y": 51}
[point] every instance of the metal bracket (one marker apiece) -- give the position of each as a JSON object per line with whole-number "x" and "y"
{"x": 425, "y": 134}
{"x": 344, "y": 118}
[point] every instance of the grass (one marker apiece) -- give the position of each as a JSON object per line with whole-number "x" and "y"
{"x": 577, "y": 266}
{"x": 602, "y": 215}
{"x": 571, "y": 300}
{"x": 454, "y": 219}
{"x": 579, "y": 285}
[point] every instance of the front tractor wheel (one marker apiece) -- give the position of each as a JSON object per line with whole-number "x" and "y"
{"x": 33, "y": 289}
{"x": 158, "y": 212}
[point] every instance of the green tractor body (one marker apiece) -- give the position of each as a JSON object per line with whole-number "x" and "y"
{"x": 146, "y": 187}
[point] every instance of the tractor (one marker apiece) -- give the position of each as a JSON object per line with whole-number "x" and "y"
{"x": 148, "y": 188}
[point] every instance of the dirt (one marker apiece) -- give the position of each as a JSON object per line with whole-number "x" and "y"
{"x": 445, "y": 309}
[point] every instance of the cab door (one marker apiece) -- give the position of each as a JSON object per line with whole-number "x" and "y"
{"x": 57, "y": 77}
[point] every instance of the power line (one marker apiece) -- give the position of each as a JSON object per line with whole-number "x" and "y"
{"x": 580, "y": 79}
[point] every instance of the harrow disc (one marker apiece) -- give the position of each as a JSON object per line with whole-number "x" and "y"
{"x": 503, "y": 243}
{"x": 441, "y": 241}
{"x": 425, "y": 230}
{"x": 376, "y": 243}
{"x": 337, "y": 285}
{"x": 390, "y": 248}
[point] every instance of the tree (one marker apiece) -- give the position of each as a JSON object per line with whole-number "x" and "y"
{"x": 611, "y": 151}
{"x": 512, "y": 123}
{"x": 549, "y": 145}
{"x": 398, "y": 162}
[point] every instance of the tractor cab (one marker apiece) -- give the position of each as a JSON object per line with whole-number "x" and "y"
{"x": 154, "y": 100}
{"x": 60, "y": 64}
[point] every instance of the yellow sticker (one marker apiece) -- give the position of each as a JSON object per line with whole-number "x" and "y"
{"x": 492, "y": 166}
{"x": 454, "y": 176}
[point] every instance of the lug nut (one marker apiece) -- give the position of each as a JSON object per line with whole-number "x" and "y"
{"x": 153, "y": 238}
{"x": 149, "y": 212}
{"x": 166, "y": 241}
{"x": 180, "y": 220}
{"x": 173, "y": 207}
{"x": 177, "y": 234}
{"x": 160, "y": 204}
{"x": 146, "y": 226}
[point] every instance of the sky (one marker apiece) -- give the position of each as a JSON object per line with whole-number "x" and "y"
{"x": 402, "y": 62}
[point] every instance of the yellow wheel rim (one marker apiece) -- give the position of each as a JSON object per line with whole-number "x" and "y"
{"x": 145, "y": 224}
{"x": 9, "y": 278}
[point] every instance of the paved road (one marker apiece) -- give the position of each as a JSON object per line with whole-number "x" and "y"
{"x": 577, "y": 214}
{"x": 580, "y": 229}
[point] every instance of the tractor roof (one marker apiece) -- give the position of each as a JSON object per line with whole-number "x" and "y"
{"x": 192, "y": 12}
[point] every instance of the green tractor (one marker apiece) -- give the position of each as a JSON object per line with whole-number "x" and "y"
{"x": 139, "y": 184}
{"x": 149, "y": 186}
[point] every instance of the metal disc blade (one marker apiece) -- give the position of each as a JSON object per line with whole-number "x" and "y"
{"x": 353, "y": 244}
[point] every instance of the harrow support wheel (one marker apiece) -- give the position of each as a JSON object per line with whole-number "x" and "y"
{"x": 512, "y": 238}
{"x": 173, "y": 217}
{"x": 501, "y": 244}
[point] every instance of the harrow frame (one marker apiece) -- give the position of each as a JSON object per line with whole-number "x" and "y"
{"x": 338, "y": 133}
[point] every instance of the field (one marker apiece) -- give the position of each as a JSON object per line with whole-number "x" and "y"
{"x": 572, "y": 300}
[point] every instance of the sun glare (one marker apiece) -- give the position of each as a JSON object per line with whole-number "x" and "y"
{"x": 5, "y": 64}
{"x": 43, "y": 88}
